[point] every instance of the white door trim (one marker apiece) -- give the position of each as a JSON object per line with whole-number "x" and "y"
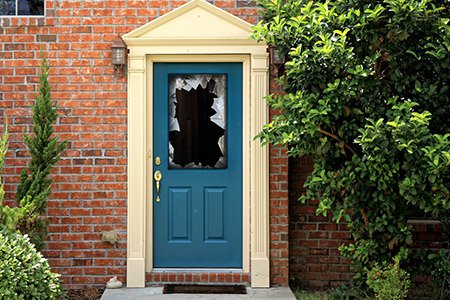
{"x": 244, "y": 59}
{"x": 143, "y": 53}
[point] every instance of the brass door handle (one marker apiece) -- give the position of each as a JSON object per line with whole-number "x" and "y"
{"x": 158, "y": 177}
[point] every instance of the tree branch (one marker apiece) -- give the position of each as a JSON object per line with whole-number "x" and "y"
{"x": 364, "y": 216}
{"x": 337, "y": 139}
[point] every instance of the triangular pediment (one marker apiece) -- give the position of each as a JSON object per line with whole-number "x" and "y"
{"x": 195, "y": 20}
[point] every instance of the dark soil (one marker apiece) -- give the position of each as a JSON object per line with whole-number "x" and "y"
{"x": 87, "y": 293}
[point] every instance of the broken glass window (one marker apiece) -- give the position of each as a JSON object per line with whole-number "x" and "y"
{"x": 197, "y": 126}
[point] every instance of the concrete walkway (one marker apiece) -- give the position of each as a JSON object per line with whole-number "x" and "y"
{"x": 156, "y": 293}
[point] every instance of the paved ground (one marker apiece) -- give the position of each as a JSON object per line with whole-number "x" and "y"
{"x": 156, "y": 293}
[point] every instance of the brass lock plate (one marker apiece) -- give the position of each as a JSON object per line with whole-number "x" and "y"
{"x": 157, "y": 160}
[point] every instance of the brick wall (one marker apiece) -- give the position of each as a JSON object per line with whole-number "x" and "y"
{"x": 279, "y": 220}
{"x": 90, "y": 181}
{"x": 303, "y": 246}
{"x": 314, "y": 259}
{"x": 279, "y": 205}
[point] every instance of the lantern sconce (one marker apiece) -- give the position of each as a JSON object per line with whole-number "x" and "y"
{"x": 119, "y": 56}
{"x": 277, "y": 59}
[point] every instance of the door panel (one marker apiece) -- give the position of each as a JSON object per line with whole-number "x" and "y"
{"x": 180, "y": 212}
{"x": 214, "y": 213}
{"x": 198, "y": 137}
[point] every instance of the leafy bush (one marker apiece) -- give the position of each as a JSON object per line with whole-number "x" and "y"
{"x": 24, "y": 272}
{"x": 389, "y": 282}
{"x": 367, "y": 98}
{"x": 440, "y": 270}
{"x": 350, "y": 292}
{"x": 303, "y": 295}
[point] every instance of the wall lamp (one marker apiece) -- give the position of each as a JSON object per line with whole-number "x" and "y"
{"x": 119, "y": 56}
{"x": 277, "y": 59}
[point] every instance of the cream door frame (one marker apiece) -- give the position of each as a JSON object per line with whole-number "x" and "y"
{"x": 144, "y": 51}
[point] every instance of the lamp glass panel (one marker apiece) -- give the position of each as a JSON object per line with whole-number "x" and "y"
{"x": 118, "y": 56}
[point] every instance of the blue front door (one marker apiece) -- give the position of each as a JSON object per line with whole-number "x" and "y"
{"x": 197, "y": 131}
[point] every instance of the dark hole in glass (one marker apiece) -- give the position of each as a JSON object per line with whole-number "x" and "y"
{"x": 196, "y": 142}
{"x": 31, "y": 7}
{"x": 7, "y": 7}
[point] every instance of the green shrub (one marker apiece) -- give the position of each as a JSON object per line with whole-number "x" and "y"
{"x": 304, "y": 295}
{"x": 389, "y": 281}
{"x": 368, "y": 100}
{"x": 35, "y": 182}
{"x": 440, "y": 270}
{"x": 11, "y": 217}
{"x": 350, "y": 292}
{"x": 24, "y": 272}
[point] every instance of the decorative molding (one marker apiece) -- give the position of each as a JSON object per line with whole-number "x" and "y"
{"x": 260, "y": 254}
{"x": 143, "y": 53}
{"x": 136, "y": 166}
{"x": 136, "y": 63}
{"x": 221, "y": 14}
{"x": 179, "y": 48}
{"x": 223, "y": 41}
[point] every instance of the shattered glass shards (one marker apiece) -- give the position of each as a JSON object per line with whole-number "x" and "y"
{"x": 197, "y": 135}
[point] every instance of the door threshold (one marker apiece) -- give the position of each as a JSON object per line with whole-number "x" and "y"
{"x": 197, "y": 270}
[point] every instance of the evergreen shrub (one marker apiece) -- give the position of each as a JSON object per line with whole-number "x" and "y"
{"x": 35, "y": 182}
